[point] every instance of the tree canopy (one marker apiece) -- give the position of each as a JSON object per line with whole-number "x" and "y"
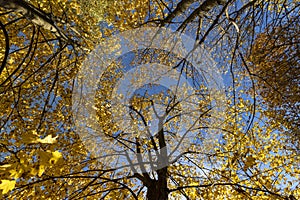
{"x": 149, "y": 99}
{"x": 275, "y": 58}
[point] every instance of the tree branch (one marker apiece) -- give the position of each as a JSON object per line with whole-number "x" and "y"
{"x": 33, "y": 14}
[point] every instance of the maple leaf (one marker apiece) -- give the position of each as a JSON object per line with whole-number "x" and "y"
{"x": 7, "y": 185}
{"x": 47, "y": 140}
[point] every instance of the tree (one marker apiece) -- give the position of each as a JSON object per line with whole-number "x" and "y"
{"x": 46, "y": 43}
{"x": 41, "y": 51}
{"x": 275, "y": 56}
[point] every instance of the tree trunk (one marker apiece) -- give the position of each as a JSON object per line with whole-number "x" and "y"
{"x": 158, "y": 189}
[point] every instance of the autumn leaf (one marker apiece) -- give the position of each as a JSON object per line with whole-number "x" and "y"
{"x": 56, "y": 156}
{"x": 250, "y": 161}
{"x": 29, "y": 137}
{"x": 41, "y": 170}
{"x": 7, "y": 185}
{"x": 16, "y": 173}
{"x": 47, "y": 140}
{"x": 34, "y": 171}
{"x": 5, "y": 166}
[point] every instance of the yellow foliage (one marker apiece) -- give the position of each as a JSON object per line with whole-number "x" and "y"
{"x": 42, "y": 156}
{"x": 7, "y": 185}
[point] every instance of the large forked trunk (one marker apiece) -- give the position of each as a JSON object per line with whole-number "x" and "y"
{"x": 158, "y": 189}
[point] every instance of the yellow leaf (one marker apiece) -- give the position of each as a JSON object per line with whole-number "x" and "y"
{"x": 47, "y": 140}
{"x": 7, "y": 185}
{"x": 16, "y": 174}
{"x": 28, "y": 137}
{"x": 5, "y": 166}
{"x": 33, "y": 171}
{"x": 41, "y": 170}
{"x": 56, "y": 155}
{"x": 250, "y": 161}
{"x": 44, "y": 157}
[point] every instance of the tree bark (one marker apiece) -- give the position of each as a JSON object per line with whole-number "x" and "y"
{"x": 158, "y": 189}
{"x": 200, "y": 11}
{"x": 33, "y": 14}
